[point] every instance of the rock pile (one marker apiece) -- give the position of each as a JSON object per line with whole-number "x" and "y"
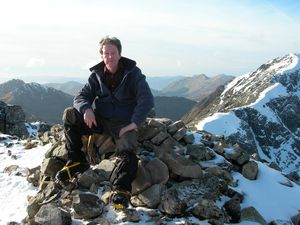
{"x": 12, "y": 120}
{"x": 180, "y": 174}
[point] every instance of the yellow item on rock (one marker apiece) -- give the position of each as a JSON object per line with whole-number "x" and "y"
{"x": 67, "y": 168}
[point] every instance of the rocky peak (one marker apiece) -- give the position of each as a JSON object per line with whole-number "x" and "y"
{"x": 260, "y": 111}
{"x": 247, "y": 88}
{"x": 10, "y": 86}
{"x": 38, "y": 101}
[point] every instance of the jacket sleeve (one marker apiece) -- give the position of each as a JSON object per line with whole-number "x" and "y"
{"x": 85, "y": 97}
{"x": 144, "y": 98}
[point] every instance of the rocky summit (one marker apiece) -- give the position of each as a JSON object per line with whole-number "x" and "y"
{"x": 262, "y": 109}
{"x": 191, "y": 169}
{"x": 181, "y": 174}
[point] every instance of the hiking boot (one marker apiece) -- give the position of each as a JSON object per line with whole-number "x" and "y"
{"x": 71, "y": 169}
{"x": 120, "y": 199}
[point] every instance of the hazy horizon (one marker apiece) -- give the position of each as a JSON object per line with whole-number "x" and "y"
{"x": 58, "y": 39}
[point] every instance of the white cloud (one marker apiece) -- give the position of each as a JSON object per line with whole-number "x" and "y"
{"x": 157, "y": 34}
{"x": 35, "y": 62}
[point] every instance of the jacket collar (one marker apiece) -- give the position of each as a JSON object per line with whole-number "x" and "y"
{"x": 129, "y": 64}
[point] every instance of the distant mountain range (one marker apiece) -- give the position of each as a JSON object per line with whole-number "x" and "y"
{"x": 195, "y": 88}
{"x": 70, "y": 87}
{"x": 177, "y": 95}
{"x": 47, "y": 102}
{"x": 156, "y": 84}
{"x": 38, "y": 102}
{"x": 260, "y": 111}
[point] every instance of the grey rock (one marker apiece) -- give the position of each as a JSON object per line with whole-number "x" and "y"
{"x": 105, "y": 168}
{"x": 149, "y": 132}
{"x": 12, "y": 120}
{"x": 88, "y": 178}
{"x": 60, "y": 152}
{"x": 51, "y": 214}
{"x": 207, "y": 210}
{"x": 131, "y": 215}
{"x": 251, "y": 214}
{"x": 183, "y": 195}
{"x": 11, "y": 169}
{"x": 180, "y": 134}
{"x": 151, "y": 197}
{"x": 142, "y": 180}
{"x": 34, "y": 205}
{"x": 51, "y": 166}
{"x": 159, "y": 122}
{"x": 233, "y": 209}
{"x": 87, "y": 206}
{"x": 189, "y": 138}
{"x": 181, "y": 166}
{"x": 200, "y": 152}
{"x": 159, "y": 138}
{"x": 250, "y": 170}
{"x": 174, "y": 127}
{"x": 171, "y": 203}
{"x": 159, "y": 171}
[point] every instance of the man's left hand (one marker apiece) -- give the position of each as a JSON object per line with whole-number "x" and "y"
{"x": 129, "y": 127}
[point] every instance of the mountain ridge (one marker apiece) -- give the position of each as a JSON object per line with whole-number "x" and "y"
{"x": 259, "y": 111}
{"x": 38, "y": 102}
{"x": 196, "y": 87}
{"x": 44, "y": 103}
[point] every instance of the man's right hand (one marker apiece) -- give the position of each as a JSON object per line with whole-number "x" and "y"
{"x": 89, "y": 118}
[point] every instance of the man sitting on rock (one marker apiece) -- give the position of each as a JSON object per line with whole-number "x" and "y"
{"x": 115, "y": 101}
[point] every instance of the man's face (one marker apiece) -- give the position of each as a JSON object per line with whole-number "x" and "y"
{"x": 111, "y": 57}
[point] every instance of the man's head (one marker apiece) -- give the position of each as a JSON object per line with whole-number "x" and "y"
{"x": 110, "y": 50}
{"x": 110, "y": 40}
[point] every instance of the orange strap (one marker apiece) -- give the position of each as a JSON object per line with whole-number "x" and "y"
{"x": 119, "y": 206}
{"x": 121, "y": 192}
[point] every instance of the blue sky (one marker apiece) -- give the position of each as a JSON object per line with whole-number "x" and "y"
{"x": 43, "y": 40}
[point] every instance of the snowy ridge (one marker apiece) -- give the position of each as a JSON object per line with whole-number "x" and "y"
{"x": 294, "y": 65}
{"x": 260, "y": 110}
{"x": 255, "y": 82}
{"x": 232, "y": 84}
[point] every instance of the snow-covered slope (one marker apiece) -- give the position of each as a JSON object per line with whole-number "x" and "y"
{"x": 260, "y": 111}
{"x": 257, "y": 193}
{"x": 14, "y": 187}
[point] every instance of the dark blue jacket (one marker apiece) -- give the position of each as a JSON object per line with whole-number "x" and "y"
{"x": 131, "y": 101}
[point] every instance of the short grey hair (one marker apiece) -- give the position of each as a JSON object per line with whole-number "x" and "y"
{"x": 110, "y": 40}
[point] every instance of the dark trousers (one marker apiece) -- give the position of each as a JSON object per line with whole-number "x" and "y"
{"x": 126, "y": 145}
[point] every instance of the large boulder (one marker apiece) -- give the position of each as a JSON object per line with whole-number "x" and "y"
{"x": 12, "y": 120}
{"x": 52, "y": 214}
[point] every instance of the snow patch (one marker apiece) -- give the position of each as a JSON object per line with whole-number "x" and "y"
{"x": 220, "y": 123}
